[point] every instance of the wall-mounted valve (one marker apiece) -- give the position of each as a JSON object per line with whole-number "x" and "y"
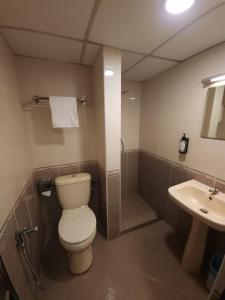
{"x": 20, "y": 241}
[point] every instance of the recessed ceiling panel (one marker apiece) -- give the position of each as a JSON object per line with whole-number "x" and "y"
{"x": 147, "y": 68}
{"x": 129, "y": 59}
{"x": 141, "y": 25}
{"x": 201, "y": 35}
{"x": 66, "y": 17}
{"x": 90, "y": 54}
{"x": 43, "y": 46}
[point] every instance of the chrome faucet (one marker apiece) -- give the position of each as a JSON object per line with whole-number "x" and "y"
{"x": 213, "y": 192}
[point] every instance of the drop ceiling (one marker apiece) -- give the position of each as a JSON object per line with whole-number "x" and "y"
{"x": 73, "y": 31}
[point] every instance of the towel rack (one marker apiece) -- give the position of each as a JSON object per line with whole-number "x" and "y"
{"x": 43, "y": 102}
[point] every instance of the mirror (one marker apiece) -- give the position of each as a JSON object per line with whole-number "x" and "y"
{"x": 213, "y": 125}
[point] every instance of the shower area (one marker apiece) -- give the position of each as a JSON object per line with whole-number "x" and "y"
{"x": 135, "y": 211}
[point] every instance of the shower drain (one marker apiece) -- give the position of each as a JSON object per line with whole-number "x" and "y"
{"x": 204, "y": 211}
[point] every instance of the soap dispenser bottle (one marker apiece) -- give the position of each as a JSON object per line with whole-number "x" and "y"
{"x": 183, "y": 146}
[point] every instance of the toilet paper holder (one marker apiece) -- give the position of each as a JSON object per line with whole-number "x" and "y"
{"x": 45, "y": 186}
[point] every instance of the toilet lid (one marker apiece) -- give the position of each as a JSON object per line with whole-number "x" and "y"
{"x": 76, "y": 225}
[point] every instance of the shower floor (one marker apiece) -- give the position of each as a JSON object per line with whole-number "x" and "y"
{"x": 135, "y": 212}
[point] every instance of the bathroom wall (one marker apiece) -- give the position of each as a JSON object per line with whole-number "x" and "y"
{"x": 155, "y": 175}
{"x": 25, "y": 213}
{"x": 130, "y": 114}
{"x": 99, "y": 108}
{"x": 19, "y": 205}
{"x": 172, "y": 103}
{"x": 130, "y": 127}
{"x": 57, "y": 146}
{"x": 15, "y": 155}
{"x": 112, "y": 93}
{"x": 107, "y": 103}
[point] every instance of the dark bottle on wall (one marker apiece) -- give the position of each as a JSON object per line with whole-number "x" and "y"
{"x": 183, "y": 146}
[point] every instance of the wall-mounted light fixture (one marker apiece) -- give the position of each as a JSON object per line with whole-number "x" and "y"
{"x": 214, "y": 80}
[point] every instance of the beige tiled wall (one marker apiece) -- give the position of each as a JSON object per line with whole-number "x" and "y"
{"x": 15, "y": 155}
{"x": 57, "y": 146}
{"x": 172, "y": 103}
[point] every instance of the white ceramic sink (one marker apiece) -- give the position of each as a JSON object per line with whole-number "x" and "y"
{"x": 207, "y": 210}
{"x": 193, "y": 197}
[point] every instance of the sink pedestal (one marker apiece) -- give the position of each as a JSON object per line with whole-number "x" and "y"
{"x": 194, "y": 250}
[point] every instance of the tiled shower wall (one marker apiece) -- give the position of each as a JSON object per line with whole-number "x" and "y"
{"x": 129, "y": 171}
{"x": 155, "y": 176}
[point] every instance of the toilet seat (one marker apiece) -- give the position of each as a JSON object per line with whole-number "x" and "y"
{"x": 77, "y": 226}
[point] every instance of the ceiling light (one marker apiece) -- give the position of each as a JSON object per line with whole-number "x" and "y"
{"x": 178, "y": 6}
{"x": 217, "y": 78}
{"x": 109, "y": 71}
{"x": 132, "y": 98}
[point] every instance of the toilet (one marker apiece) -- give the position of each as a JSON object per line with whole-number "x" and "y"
{"x": 77, "y": 225}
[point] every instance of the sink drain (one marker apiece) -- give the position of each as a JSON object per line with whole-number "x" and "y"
{"x": 204, "y": 211}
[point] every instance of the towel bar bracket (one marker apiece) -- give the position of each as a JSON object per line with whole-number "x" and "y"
{"x": 37, "y": 99}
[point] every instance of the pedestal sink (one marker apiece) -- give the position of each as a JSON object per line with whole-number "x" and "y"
{"x": 208, "y": 210}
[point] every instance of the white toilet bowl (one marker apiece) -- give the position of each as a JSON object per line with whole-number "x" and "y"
{"x": 77, "y": 229}
{"x": 77, "y": 226}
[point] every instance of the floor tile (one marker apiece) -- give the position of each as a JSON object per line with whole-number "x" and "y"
{"x": 143, "y": 265}
{"x": 135, "y": 211}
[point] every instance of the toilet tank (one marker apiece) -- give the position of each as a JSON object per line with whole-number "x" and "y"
{"x": 73, "y": 190}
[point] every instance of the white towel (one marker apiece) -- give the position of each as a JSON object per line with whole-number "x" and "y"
{"x": 64, "y": 112}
